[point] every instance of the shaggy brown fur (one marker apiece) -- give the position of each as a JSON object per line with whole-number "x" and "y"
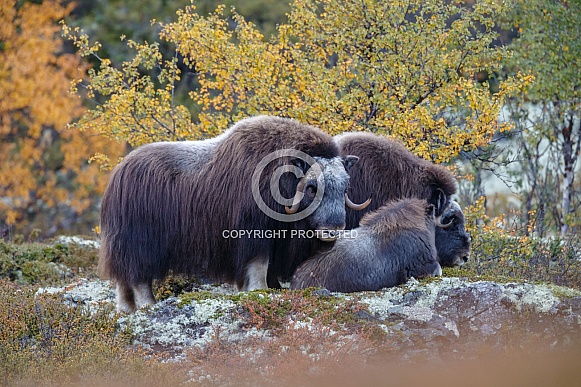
{"x": 387, "y": 171}
{"x": 394, "y": 243}
{"x": 167, "y": 204}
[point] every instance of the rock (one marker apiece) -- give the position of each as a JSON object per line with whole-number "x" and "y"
{"x": 67, "y": 240}
{"x": 423, "y": 320}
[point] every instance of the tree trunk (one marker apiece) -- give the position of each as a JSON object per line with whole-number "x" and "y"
{"x": 569, "y": 159}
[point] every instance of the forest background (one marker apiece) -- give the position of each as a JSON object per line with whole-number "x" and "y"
{"x": 487, "y": 87}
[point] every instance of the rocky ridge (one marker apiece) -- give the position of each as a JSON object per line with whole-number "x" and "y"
{"x": 428, "y": 319}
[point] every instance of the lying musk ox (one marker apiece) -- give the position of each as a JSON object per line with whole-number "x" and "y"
{"x": 387, "y": 171}
{"x": 392, "y": 244}
{"x": 168, "y": 206}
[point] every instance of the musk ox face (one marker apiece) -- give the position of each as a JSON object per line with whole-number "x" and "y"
{"x": 328, "y": 188}
{"x": 452, "y": 240}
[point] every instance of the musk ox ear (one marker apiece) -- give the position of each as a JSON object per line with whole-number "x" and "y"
{"x": 349, "y": 161}
{"x": 431, "y": 210}
{"x": 439, "y": 200}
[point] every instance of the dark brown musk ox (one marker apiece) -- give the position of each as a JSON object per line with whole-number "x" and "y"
{"x": 387, "y": 171}
{"x": 394, "y": 243}
{"x": 175, "y": 206}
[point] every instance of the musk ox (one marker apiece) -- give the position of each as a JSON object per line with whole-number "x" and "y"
{"x": 174, "y": 206}
{"x": 387, "y": 171}
{"x": 392, "y": 244}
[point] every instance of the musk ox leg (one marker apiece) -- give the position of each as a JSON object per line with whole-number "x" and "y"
{"x": 125, "y": 298}
{"x": 272, "y": 280}
{"x": 255, "y": 277}
{"x": 143, "y": 294}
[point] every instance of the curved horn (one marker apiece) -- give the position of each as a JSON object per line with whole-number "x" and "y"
{"x": 453, "y": 208}
{"x": 356, "y": 207}
{"x": 441, "y": 225}
{"x": 298, "y": 197}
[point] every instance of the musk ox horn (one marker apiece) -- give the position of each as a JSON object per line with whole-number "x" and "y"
{"x": 442, "y": 225}
{"x": 452, "y": 209}
{"x": 356, "y": 207}
{"x": 298, "y": 197}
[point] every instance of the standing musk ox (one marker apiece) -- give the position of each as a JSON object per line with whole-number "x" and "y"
{"x": 393, "y": 244}
{"x": 387, "y": 171}
{"x": 168, "y": 205}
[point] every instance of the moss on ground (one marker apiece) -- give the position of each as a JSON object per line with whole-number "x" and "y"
{"x": 46, "y": 264}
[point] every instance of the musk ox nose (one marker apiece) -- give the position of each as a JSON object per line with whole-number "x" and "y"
{"x": 465, "y": 258}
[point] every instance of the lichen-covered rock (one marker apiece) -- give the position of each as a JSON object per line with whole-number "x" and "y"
{"x": 420, "y": 319}
{"x": 456, "y": 315}
{"x": 90, "y": 293}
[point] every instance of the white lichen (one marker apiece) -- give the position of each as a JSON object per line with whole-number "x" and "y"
{"x": 194, "y": 327}
{"x": 540, "y": 297}
{"x": 67, "y": 240}
{"x": 90, "y": 293}
{"x": 451, "y": 325}
{"x": 417, "y": 313}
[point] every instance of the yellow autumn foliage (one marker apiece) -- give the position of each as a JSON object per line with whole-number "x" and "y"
{"x": 405, "y": 68}
{"x": 43, "y": 163}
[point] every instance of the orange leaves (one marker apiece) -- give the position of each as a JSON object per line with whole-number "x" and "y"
{"x": 44, "y": 165}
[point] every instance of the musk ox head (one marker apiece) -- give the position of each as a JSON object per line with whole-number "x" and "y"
{"x": 452, "y": 240}
{"x": 324, "y": 186}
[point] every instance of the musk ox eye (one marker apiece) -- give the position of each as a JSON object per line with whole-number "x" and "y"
{"x": 449, "y": 219}
{"x": 311, "y": 190}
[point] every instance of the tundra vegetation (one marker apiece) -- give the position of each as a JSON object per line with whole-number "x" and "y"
{"x": 431, "y": 74}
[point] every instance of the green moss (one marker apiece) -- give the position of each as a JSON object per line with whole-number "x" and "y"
{"x": 200, "y": 295}
{"x": 563, "y": 292}
{"x": 36, "y": 263}
{"x": 272, "y": 308}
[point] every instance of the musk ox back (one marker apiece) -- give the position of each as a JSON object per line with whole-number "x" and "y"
{"x": 392, "y": 244}
{"x": 168, "y": 205}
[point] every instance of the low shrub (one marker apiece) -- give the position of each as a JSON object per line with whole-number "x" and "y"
{"x": 501, "y": 249}
{"x": 44, "y": 341}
